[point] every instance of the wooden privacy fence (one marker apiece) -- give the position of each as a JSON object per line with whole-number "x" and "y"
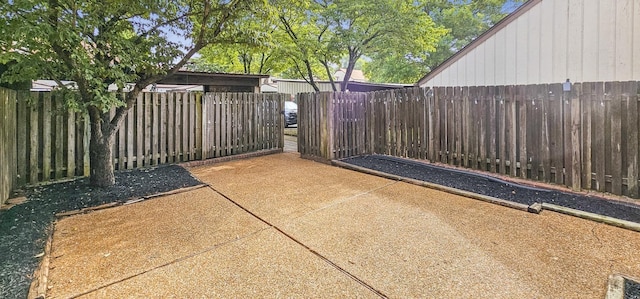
{"x": 584, "y": 139}
{"x": 52, "y": 141}
{"x": 7, "y": 143}
{"x": 236, "y": 123}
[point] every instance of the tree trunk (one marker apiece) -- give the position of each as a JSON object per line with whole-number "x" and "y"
{"x": 310, "y": 73}
{"x": 353, "y": 58}
{"x": 347, "y": 75}
{"x": 329, "y": 74}
{"x": 100, "y": 148}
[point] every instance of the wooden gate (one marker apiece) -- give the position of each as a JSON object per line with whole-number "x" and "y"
{"x": 332, "y": 125}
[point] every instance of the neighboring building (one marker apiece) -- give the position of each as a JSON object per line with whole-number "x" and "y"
{"x": 367, "y": 87}
{"x": 296, "y": 86}
{"x": 48, "y": 85}
{"x": 269, "y": 88}
{"x": 185, "y": 81}
{"x": 549, "y": 41}
{"x": 217, "y": 82}
{"x": 356, "y": 75}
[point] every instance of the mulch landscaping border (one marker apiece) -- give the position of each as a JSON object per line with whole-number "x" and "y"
{"x": 25, "y": 228}
{"x": 22, "y": 264}
{"x": 622, "y": 286}
{"x": 417, "y": 173}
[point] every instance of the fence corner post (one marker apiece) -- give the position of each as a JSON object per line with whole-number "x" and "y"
{"x": 326, "y": 126}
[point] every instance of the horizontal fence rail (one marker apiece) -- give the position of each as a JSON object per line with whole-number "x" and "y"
{"x": 51, "y": 142}
{"x": 586, "y": 138}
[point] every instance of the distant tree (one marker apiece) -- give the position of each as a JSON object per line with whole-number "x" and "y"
{"x": 305, "y": 37}
{"x": 379, "y": 28}
{"x": 310, "y": 39}
{"x": 96, "y": 43}
{"x": 325, "y": 31}
{"x": 256, "y": 50}
{"x": 463, "y": 21}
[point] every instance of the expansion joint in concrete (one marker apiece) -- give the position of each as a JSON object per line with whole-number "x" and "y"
{"x": 317, "y": 254}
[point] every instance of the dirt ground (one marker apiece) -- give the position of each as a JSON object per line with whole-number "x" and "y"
{"x": 281, "y": 226}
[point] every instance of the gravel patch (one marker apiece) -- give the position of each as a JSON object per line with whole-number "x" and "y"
{"x": 24, "y": 228}
{"x": 497, "y": 188}
{"x": 631, "y": 289}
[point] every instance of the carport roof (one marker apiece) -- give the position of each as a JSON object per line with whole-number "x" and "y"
{"x": 213, "y": 79}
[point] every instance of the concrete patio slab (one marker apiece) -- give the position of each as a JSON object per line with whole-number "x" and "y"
{"x": 414, "y": 242}
{"x": 331, "y": 232}
{"x": 283, "y": 187}
{"x": 93, "y": 250}
{"x": 264, "y": 265}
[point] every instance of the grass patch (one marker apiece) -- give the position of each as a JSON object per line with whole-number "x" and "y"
{"x": 291, "y": 131}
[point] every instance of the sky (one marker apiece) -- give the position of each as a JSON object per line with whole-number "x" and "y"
{"x": 510, "y": 6}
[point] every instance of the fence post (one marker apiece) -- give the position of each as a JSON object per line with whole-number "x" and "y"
{"x": 576, "y": 156}
{"x": 326, "y": 127}
{"x": 616, "y": 138}
{"x": 283, "y": 97}
{"x": 370, "y": 118}
{"x": 4, "y": 144}
{"x": 204, "y": 119}
{"x": 631, "y": 94}
{"x": 8, "y": 154}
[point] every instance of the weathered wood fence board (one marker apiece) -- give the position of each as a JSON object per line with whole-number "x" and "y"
{"x": 584, "y": 139}
{"x": 8, "y": 146}
{"x": 239, "y": 123}
{"x": 49, "y": 142}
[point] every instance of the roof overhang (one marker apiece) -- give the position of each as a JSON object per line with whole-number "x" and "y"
{"x": 213, "y": 79}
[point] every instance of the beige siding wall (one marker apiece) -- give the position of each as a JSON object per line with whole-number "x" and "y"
{"x": 583, "y": 40}
{"x": 295, "y": 87}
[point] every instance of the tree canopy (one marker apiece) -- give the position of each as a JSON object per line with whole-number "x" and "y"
{"x": 98, "y": 43}
{"x": 132, "y": 44}
{"x": 257, "y": 50}
{"x": 396, "y": 41}
{"x": 463, "y": 20}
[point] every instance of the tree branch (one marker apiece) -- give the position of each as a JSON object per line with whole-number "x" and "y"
{"x": 63, "y": 54}
{"x": 198, "y": 45}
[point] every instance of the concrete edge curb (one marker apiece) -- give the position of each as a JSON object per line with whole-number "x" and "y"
{"x": 129, "y": 201}
{"x": 489, "y": 199}
{"x": 615, "y": 287}
{"x": 38, "y": 287}
{"x": 317, "y": 159}
{"x": 231, "y": 158}
{"x": 535, "y": 208}
{"x": 593, "y": 217}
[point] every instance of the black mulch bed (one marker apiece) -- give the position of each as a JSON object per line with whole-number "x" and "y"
{"x": 631, "y": 289}
{"x": 24, "y": 228}
{"x": 490, "y": 186}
